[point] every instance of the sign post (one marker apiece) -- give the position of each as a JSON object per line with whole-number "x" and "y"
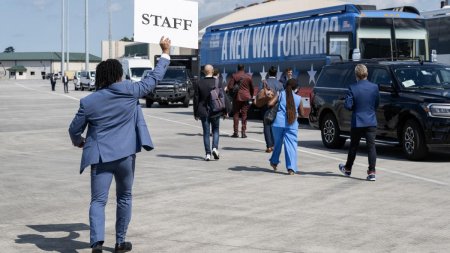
{"x": 176, "y": 19}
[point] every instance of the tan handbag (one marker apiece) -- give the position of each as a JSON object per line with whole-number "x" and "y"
{"x": 264, "y": 95}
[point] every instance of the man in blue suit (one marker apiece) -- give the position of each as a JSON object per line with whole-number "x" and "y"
{"x": 116, "y": 132}
{"x": 363, "y": 99}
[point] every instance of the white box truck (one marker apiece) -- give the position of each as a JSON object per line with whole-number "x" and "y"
{"x": 134, "y": 67}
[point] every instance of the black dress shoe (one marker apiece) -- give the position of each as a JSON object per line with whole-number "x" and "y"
{"x": 123, "y": 247}
{"x": 235, "y": 135}
{"x": 244, "y": 135}
{"x": 97, "y": 248}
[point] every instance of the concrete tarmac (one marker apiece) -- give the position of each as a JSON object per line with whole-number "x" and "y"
{"x": 236, "y": 204}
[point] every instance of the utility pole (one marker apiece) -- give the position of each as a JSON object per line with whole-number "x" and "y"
{"x": 86, "y": 37}
{"x": 62, "y": 36}
{"x": 109, "y": 34}
{"x": 67, "y": 34}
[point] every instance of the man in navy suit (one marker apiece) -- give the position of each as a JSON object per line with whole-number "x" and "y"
{"x": 116, "y": 132}
{"x": 363, "y": 99}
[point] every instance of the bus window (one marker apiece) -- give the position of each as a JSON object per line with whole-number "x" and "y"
{"x": 375, "y": 48}
{"x": 374, "y": 38}
{"x": 411, "y": 39}
{"x": 339, "y": 44}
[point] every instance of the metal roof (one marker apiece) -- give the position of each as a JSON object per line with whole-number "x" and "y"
{"x": 17, "y": 68}
{"x": 46, "y": 56}
{"x": 273, "y": 8}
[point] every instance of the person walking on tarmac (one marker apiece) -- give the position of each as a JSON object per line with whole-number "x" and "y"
{"x": 65, "y": 81}
{"x": 275, "y": 86}
{"x": 53, "y": 82}
{"x": 241, "y": 88}
{"x": 363, "y": 100}
{"x": 210, "y": 119}
{"x": 116, "y": 131}
{"x": 285, "y": 128}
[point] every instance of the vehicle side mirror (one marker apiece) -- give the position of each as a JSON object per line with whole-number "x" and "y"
{"x": 386, "y": 87}
{"x": 127, "y": 77}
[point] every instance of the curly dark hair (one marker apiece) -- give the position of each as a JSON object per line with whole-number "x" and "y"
{"x": 107, "y": 73}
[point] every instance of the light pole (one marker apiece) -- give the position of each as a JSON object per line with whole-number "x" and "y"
{"x": 67, "y": 34}
{"x": 62, "y": 36}
{"x": 109, "y": 28}
{"x": 86, "y": 37}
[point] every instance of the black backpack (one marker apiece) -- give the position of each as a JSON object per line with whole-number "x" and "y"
{"x": 216, "y": 99}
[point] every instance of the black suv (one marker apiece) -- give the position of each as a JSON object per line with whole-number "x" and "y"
{"x": 414, "y": 109}
{"x": 176, "y": 87}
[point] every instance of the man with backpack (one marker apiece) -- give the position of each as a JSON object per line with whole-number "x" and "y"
{"x": 209, "y": 105}
{"x": 241, "y": 88}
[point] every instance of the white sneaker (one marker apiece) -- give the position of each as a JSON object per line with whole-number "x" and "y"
{"x": 215, "y": 153}
{"x": 208, "y": 157}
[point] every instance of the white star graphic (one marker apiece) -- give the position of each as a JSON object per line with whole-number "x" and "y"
{"x": 312, "y": 75}
{"x": 224, "y": 76}
{"x": 263, "y": 74}
{"x": 250, "y": 73}
{"x": 279, "y": 73}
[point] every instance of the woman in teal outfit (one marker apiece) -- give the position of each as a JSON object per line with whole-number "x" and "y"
{"x": 285, "y": 128}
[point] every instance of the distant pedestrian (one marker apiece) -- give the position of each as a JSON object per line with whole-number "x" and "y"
{"x": 286, "y": 76}
{"x": 202, "y": 111}
{"x": 65, "y": 81}
{"x": 276, "y": 86}
{"x": 241, "y": 86}
{"x": 53, "y": 82}
{"x": 116, "y": 132}
{"x": 285, "y": 128}
{"x": 363, "y": 99}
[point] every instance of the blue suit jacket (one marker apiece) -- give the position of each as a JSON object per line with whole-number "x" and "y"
{"x": 363, "y": 99}
{"x": 116, "y": 125}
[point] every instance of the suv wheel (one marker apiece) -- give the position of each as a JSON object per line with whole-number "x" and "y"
{"x": 413, "y": 141}
{"x": 331, "y": 133}
{"x": 187, "y": 100}
{"x": 148, "y": 103}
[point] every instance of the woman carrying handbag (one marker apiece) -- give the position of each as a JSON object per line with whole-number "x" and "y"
{"x": 285, "y": 128}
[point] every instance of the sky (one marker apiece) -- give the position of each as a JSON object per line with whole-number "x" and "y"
{"x": 35, "y": 25}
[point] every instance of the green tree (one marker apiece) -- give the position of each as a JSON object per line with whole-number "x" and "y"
{"x": 9, "y": 50}
{"x": 127, "y": 39}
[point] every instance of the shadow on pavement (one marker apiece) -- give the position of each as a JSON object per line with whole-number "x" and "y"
{"x": 255, "y": 169}
{"x": 243, "y": 149}
{"x": 182, "y": 157}
{"x": 388, "y": 152}
{"x": 328, "y": 174}
{"x": 66, "y": 244}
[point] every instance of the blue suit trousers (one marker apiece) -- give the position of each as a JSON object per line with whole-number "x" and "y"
{"x": 101, "y": 177}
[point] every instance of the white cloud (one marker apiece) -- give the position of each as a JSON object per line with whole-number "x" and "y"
{"x": 41, "y": 4}
{"x": 115, "y": 7}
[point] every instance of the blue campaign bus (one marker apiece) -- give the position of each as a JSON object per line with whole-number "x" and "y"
{"x": 306, "y": 41}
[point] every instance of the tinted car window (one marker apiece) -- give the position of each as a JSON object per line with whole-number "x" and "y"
{"x": 380, "y": 76}
{"x": 332, "y": 77}
{"x": 423, "y": 77}
{"x": 351, "y": 78}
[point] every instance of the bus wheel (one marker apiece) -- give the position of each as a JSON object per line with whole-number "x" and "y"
{"x": 330, "y": 132}
{"x": 413, "y": 141}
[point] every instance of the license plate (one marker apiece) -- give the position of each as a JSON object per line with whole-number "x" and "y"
{"x": 163, "y": 98}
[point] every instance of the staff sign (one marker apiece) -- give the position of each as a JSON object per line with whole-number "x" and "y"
{"x": 176, "y": 19}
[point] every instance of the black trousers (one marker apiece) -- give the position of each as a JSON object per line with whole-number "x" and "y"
{"x": 355, "y": 137}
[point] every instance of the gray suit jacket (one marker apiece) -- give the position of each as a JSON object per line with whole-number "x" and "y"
{"x": 115, "y": 122}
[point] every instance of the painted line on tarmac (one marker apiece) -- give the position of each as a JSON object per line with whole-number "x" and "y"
{"x": 320, "y": 155}
{"x": 256, "y": 140}
{"x": 51, "y": 93}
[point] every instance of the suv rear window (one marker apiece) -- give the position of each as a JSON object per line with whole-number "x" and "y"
{"x": 332, "y": 77}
